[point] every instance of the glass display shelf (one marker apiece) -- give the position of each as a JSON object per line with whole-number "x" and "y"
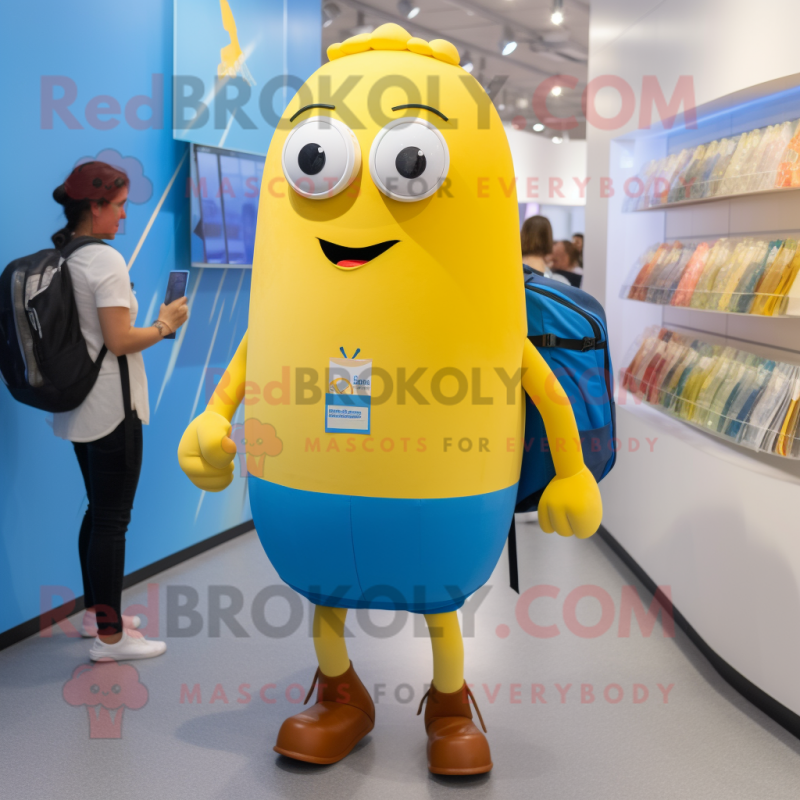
{"x": 732, "y": 275}
{"x": 735, "y": 395}
{"x": 760, "y": 161}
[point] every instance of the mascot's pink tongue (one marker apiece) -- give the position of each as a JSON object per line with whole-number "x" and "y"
{"x": 350, "y": 263}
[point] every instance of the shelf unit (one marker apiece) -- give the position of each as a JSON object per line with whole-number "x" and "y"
{"x": 715, "y": 199}
{"x": 764, "y": 214}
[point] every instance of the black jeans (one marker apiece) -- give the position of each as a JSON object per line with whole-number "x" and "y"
{"x": 111, "y": 475}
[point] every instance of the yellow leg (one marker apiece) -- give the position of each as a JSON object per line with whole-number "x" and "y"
{"x": 329, "y": 640}
{"x": 448, "y": 651}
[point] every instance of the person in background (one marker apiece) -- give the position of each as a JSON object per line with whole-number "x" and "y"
{"x": 537, "y": 247}
{"x": 565, "y": 262}
{"x": 577, "y": 240}
{"x": 537, "y": 242}
{"x": 106, "y": 437}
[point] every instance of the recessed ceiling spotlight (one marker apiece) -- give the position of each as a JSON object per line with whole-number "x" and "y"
{"x": 538, "y": 127}
{"x": 407, "y": 9}
{"x": 329, "y": 13}
{"x": 556, "y": 91}
{"x": 466, "y": 61}
{"x": 507, "y": 44}
{"x": 522, "y": 102}
{"x": 557, "y": 140}
{"x": 557, "y": 17}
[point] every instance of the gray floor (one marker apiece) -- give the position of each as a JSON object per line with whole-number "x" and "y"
{"x": 705, "y": 742}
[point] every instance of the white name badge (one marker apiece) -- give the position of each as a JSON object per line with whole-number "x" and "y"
{"x": 348, "y": 396}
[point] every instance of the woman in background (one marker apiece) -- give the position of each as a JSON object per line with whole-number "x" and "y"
{"x": 107, "y": 441}
{"x": 566, "y": 262}
{"x": 537, "y": 246}
{"x": 577, "y": 240}
{"x": 537, "y": 242}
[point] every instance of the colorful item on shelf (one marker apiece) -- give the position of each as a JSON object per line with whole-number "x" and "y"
{"x": 777, "y": 302}
{"x": 721, "y": 167}
{"x": 692, "y": 273}
{"x": 727, "y": 282}
{"x": 664, "y": 281}
{"x": 682, "y": 183}
{"x": 720, "y": 253}
{"x": 766, "y": 288}
{"x": 788, "y": 176}
{"x": 737, "y": 395}
{"x": 743, "y": 302}
{"x": 787, "y": 441}
{"x": 649, "y": 262}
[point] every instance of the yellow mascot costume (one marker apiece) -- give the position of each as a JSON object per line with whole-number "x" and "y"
{"x": 385, "y": 363}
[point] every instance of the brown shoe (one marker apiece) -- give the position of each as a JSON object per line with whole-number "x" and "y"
{"x": 325, "y": 733}
{"x": 455, "y": 745}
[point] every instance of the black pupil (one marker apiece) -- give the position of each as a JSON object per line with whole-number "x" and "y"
{"x": 410, "y": 162}
{"x": 311, "y": 158}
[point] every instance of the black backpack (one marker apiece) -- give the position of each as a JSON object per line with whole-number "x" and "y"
{"x": 44, "y": 360}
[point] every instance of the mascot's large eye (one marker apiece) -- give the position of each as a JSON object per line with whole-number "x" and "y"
{"x": 321, "y": 158}
{"x": 409, "y": 160}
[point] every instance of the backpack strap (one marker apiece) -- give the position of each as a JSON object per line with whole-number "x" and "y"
{"x": 66, "y": 252}
{"x": 581, "y": 345}
{"x": 125, "y": 378}
{"x": 513, "y": 568}
{"x": 75, "y": 244}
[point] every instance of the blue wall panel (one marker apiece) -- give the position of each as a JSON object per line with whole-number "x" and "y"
{"x": 121, "y": 51}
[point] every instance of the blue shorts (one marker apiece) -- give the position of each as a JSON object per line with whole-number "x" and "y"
{"x": 425, "y": 556}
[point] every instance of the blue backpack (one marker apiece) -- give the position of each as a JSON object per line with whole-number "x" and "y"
{"x": 568, "y": 328}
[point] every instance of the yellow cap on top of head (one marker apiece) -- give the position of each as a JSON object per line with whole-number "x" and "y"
{"x": 391, "y": 36}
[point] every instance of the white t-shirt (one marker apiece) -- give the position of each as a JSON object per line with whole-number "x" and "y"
{"x": 100, "y": 280}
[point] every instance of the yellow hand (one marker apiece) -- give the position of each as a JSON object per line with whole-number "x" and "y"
{"x": 571, "y": 506}
{"x": 206, "y": 452}
{"x": 571, "y": 502}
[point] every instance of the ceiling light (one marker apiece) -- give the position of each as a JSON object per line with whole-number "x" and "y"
{"x": 556, "y": 140}
{"x": 507, "y": 42}
{"x": 538, "y": 127}
{"x": 556, "y": 91}
{"x": 407, "y": 9}
{"x": 329, "y": 13}
{"x": 522, "y": 102}
{"x": 466, "y": 61}
{"x": 501, "y": 107}
{"x": 557, "y": 17}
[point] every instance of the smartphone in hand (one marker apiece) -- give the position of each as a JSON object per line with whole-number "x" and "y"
{"x": 176, "y": 287}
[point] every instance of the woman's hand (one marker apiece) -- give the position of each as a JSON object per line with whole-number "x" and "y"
{"x": 121, "y": 338}
{"x": 175, "y": 314}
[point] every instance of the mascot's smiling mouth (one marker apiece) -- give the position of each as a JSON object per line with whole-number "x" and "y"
{"x": 352, "y": 257}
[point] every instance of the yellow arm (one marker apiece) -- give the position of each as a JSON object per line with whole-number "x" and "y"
{"x": 206, "y": 450}
{"x": 571, "y": 503}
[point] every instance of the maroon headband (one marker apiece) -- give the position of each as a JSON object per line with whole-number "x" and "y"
{"x": 95, "y": 180}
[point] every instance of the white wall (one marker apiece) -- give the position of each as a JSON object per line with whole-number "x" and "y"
{"x": 548, "y": 173}
{"x": 716, "y": 524}
{"x": 565, "y": 220}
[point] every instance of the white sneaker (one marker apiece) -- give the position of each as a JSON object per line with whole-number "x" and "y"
{"x": 131, "y": 647}
{"x": 89, "y": 624}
